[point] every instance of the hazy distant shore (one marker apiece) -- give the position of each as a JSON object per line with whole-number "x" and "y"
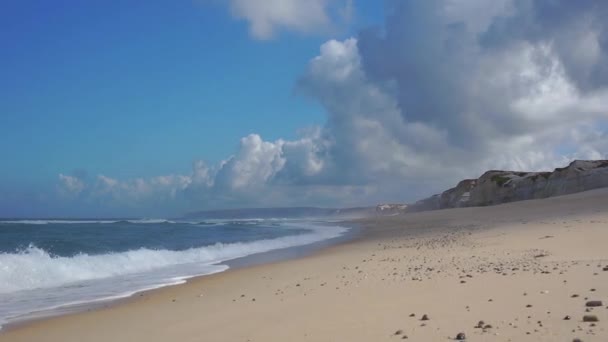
{"x": 526, "y": 269}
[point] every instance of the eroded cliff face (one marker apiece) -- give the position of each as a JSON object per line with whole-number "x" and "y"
{"x": 495, "y": 187}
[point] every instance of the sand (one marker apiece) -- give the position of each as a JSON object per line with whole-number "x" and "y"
{"x": 522, "y": 268}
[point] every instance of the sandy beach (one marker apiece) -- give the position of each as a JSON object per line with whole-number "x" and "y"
{"x": 528, "y": 270}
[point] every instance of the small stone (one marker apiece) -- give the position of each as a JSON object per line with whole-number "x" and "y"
{"x": 488, "y": 326}
{"x": 594, "y": 303}
{"x": 577, "y": 340}
{"x": 461, "y": 337}
{"x": 480, "y": 324}
{"x": 529, "y": 305}
{"x": 574, "y": 296}
{"x": 425, "y": 318}
{"x": 404, "y": 337}
{"x": 412, "y": 315}
{"x": 590, "y": 318}
{"x": 567, "y": 318}
{"x": 398, "y": 332}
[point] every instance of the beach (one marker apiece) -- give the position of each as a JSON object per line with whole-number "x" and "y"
{"x": 529, "y": 270}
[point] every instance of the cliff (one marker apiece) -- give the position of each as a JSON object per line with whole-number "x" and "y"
{"x": 495, "y": 187}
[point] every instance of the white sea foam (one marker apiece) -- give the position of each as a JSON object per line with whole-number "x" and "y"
{"x": 33, "y": 280}
{"x": 41, "y": 222}
{"x": 38, "y": 222}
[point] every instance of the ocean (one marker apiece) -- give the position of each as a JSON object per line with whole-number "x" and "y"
{"x": 50, "y": 266}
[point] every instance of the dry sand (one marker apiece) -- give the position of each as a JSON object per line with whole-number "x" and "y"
{"x": 521, "y": 268}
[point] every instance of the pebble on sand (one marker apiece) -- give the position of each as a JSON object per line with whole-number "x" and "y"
{"x": 590, "y": 318}
{"x": 594, "y": 303}
{"x": 425, "y": 318}
{"x": 461, "y": 337}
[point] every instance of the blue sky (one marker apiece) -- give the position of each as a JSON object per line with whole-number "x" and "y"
{"x": 141, "y": 88}
{"x": 106, "y": 106}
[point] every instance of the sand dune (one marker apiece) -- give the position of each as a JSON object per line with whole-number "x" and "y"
{"x": 526, "y": 269}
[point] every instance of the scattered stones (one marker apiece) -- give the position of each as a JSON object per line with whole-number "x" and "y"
{"x": 590, "y": 318}
{"x": 461, "y": 337}
{"x": 594, "y": 303}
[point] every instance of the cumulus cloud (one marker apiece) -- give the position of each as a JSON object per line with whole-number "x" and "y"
{"x": 255, "y": 163}
{"x": 266, "y": 17}
{"x": 70, "y": 185}
{"x": 500, "y": 95}
{"x": 444, "y": 90}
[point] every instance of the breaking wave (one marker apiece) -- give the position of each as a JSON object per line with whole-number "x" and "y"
{"x": 32, "y": 280}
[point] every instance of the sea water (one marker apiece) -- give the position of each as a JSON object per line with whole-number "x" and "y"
{"x": 50, "y": 265}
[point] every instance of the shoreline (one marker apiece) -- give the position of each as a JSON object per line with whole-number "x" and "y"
{"x": 256, "y": 259}
{"x": 517, "y": 267}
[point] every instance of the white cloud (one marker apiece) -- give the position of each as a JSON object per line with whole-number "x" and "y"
{"x": 266, "y": 17}
{"x": 447, "y": 90}
{"x": 70, "y": 185}
{"x": 255, "y": 163}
